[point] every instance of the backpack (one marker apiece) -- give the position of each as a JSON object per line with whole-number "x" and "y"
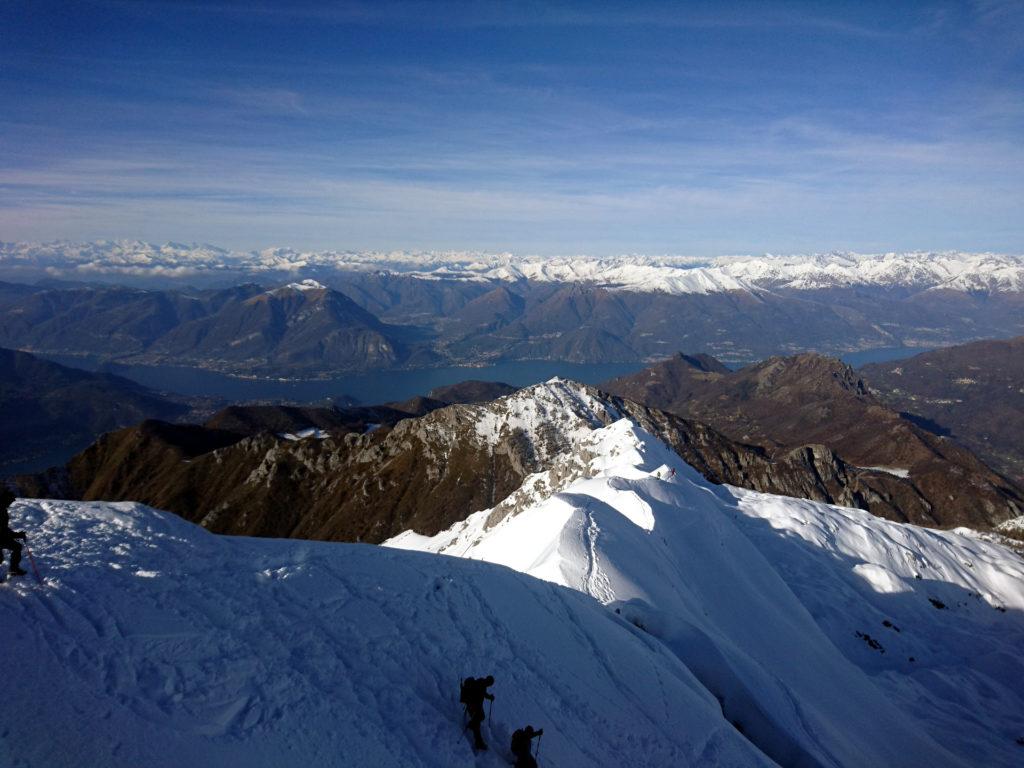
{"x": 466, "y": 690}
{"x": 520, "y": 742}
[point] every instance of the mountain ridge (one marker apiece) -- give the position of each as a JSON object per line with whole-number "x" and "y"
{"x": 361, "y": 481}
{"x": 783, "y": 402}
{"x": 644, "y": 534}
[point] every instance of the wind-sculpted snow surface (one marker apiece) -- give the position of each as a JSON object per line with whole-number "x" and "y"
{"x": 154, "y": 643}
{"x": 950, "y": 270}
{"x": 830, "y": 636}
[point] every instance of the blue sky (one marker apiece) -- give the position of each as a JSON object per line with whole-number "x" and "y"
{"x": 601, "y": 128}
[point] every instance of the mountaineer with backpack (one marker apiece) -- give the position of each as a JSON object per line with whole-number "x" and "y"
{"x": 521, "y": 740}
{"x": 8, "y": 538}
{"x": 472, "y": 693}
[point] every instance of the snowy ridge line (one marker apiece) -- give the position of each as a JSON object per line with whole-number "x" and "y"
{"x": 921, "y": 270}
{"x": 833, "y": 637}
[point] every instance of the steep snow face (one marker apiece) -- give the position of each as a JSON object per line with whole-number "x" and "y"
{"x": 832, "y": 637}
{"x": 154, "y": 643}
{"x": 949, "y": 270}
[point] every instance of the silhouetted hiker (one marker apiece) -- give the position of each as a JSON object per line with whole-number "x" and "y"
{"x": 473, "y": 693}
{"x": 521, "y": 740}
{"x": 8, "y": 538}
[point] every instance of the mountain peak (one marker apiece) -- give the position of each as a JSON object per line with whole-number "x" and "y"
{"x": 808, "y": 371}
{"x": 702, "y": 362}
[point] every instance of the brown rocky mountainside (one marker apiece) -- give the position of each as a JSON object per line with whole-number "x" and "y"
{"x": 907, "y": 473}
{"x": 471, "y": 391}
{"x": 422, "y": 473}
{"x": 248, "y": 420}
{"x": 973, "y": 392}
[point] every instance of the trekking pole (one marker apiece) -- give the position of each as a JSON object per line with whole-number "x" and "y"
{"x": 32, "y": 560}
{"x": 537, "y": 753}
{"x": 490, "y": 711}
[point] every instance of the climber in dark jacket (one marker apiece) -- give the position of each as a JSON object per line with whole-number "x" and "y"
{"x": 8, "y": 538}
{"x": 521, "y": 741}
{"x": 474, "y": 691}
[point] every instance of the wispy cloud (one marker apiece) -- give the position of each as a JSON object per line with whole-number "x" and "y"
{"x": 512, "y": 126}
{"x": 280, "y": 101}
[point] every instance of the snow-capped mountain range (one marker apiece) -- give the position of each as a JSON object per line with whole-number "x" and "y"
{"x": 639, "y": 613}
{"x": 949, "y": 270}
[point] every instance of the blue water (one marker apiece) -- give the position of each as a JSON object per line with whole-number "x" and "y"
{"x": 367, "y": 388}
{"x": 388, "y": 386}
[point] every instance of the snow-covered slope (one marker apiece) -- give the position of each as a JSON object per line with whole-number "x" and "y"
{"x": 730, "y": 628}
{"x": 919, "y": 270}
{"x": 154, "y": 643}
{"x": 830, "y": 636}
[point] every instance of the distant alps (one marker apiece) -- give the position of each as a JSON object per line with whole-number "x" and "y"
{"x": 919, "y": 270}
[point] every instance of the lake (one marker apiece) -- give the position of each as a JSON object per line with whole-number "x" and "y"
{"x": 388, "y": 386}
{"x": 367, "y": 388}
{"x": 882, "y": 355}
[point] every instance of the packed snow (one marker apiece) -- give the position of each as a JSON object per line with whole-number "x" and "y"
{"x": 919, "y": 270}
{"x": 304, "y": 434}
{"x": 895, "y": 471}
{"x": 154, "y": 643}
{"x": 832, "y": 637}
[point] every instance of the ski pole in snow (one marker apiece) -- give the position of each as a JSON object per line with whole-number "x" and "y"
{"x": 537, "y": 753}
{"x": 32, "y": 560}
{"x": 490, "y": 710}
